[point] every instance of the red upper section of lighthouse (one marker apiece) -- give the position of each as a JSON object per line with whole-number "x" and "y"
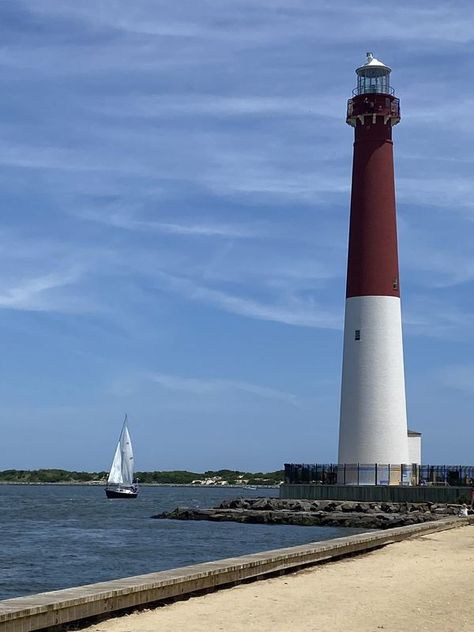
{"x": 373, "y": 253}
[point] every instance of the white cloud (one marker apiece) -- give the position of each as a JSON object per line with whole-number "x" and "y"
{"x": 218, "y": 386}
{"x": 459, "y": 378}
{"x": 209, "y": 229}
{"x": 62, "y": 159}
{"x": 244, "y": 22}
{"x": 287, "y": 309}
{"x": 435, "y": 318}
{"x": 452, "y": 193}
{"x": 38, "y": 293}
{"x": 217, "y": 105}
{"x": 436, "y": 258}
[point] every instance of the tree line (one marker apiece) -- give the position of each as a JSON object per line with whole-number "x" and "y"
{"x": 174, "y": 477}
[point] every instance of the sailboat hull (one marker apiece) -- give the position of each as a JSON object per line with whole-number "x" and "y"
{"x": 120, "y": 493}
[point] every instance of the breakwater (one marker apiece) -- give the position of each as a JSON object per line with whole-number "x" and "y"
{"x": 360, "y": 515}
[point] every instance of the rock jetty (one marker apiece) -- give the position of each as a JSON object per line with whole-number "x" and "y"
{"x": 360, "y": 515}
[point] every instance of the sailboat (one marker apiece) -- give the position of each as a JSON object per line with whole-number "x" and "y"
{"x": 120, "y": 482}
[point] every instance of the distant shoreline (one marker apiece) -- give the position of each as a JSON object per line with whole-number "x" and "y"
{"x": 103, "y": 483}
{"x": 209, "y": 478}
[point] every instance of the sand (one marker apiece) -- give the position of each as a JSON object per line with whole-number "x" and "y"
{"x": 423, "y": 584}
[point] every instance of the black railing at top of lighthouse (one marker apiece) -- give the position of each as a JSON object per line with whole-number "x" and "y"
{"x": 375, "y": 104}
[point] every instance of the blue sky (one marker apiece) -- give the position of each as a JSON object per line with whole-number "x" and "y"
{"x": 174, "y": 186}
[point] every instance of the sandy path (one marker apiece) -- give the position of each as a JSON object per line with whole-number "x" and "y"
{"x": 426, "y": 584}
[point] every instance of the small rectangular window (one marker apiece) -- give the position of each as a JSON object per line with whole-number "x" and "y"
{"x": 357, "y": 334}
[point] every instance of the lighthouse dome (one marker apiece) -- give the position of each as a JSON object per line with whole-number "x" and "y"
{"x": 373, "y": 76}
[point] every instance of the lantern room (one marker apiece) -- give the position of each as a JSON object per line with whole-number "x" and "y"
{"x": 373, "y": 77}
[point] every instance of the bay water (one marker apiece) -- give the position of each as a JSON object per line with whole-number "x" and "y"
{"x": 57, "y": 536}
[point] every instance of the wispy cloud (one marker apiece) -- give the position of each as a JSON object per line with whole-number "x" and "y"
{"x": 218, "y": 386}
{"x": 271, "y": 180}
{"x": 450, "y": 192}
{"x": 210, "y": 229}
{"x": 439, "y": 258}
{"x": 217, "y": 105}
{"x": 38, "y": 293}
{"x": 459, "y": 378}
{"x": 435, "y": 318}
{"x": 244, "y": 22}
{"x": 289, "y": 310}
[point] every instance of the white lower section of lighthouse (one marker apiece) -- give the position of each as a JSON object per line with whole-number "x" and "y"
{"x": 373, "y": 425}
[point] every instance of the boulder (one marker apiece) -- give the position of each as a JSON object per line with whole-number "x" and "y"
{"x": 347, "y": 507}
{"x": 262, "y": 504}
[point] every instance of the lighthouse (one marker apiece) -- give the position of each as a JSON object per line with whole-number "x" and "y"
{"x": 373, "y": 422}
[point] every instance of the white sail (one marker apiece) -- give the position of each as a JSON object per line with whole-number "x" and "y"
{"x": 121, "y": 472}
{"x": 127, "y": 457}
{"x": 115, "y": 475}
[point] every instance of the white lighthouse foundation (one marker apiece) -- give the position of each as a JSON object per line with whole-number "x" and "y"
{"x": 373, "y": 424}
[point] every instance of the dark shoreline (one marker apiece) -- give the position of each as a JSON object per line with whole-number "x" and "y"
{"x": 103, "y": 484}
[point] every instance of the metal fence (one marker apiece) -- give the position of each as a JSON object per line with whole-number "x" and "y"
{"x": 379, "y": 474}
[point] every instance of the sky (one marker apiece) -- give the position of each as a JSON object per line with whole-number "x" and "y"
{"x": 174, "y": 194}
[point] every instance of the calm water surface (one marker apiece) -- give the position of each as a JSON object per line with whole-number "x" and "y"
{"x": 59, "y": 536}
